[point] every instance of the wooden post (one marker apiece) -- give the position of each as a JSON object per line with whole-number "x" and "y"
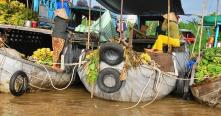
{"x": 27, "y": 3}
{"x": 131, "y": 31}
{"x": 217, "y": 27}
{"x": 121, "y": 13}
{"x": 89, "y": 26}
{"x": 62, "y": 3}
{"x": 197, "y": 34}
{"x": 168, "y": 27}
{"x": 201, "y": 31}
{"x": 217, "y": 11}
{"x": 216, "y": 36}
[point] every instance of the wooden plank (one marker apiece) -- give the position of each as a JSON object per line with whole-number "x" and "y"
{"x": 26, "y": 28}
{"x": 208, "y": 88}
{"x": 208, "y": 93}
{"x": 164, "y": 60}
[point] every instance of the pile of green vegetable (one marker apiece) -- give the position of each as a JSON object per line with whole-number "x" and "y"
{"x": 210, "y": 65}
{"x": 15, "y": 13}
{"x": 92, "y": 66}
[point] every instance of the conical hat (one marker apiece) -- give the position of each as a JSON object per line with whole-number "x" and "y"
{"x": 172, "y": 16}
{"x": 61, "y": 13}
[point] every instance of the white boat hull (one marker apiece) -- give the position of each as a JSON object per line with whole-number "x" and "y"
{"x": 133, "y": 87}
{"x": 38, "y": 75}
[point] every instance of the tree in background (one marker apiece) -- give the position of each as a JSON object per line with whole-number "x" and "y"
{"x": 194, "y": 25}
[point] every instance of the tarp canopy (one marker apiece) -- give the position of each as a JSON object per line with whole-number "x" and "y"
{"x": 143, "y": 7}
{"x": 210, "y": 20}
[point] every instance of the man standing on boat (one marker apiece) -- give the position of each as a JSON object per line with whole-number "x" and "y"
{"x": 174, "y": 35}
{"x": 59, "y": 35}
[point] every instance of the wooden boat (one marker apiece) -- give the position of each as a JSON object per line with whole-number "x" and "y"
{"x": 27, "y": 40}
{"x": 39, "y": 76}
{"x": 208, "y": 93}
{"x": 143, "y": 83}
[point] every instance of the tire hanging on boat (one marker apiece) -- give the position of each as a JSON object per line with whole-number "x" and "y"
{"x": 111, "y": 53}
{"x": 104, "y": 75}
{"x": 18, "y": 90}
{"x": 182, "y": 88}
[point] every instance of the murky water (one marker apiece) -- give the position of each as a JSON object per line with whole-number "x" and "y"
{"x": 76, "y": 101}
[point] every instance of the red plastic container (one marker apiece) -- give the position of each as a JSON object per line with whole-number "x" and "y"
{"x": 34, "y": 24}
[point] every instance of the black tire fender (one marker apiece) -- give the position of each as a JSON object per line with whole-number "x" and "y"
{"x": 12, "y": 83}
{"x": 114, "y": 74}
{"x": 111, "y": 53}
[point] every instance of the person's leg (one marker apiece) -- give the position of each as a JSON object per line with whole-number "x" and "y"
{"x": 57, "y": 44}
{"x": 174, "y": 42}
{"x": 158, "y": 45}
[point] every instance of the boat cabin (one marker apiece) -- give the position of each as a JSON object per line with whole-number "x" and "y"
{"x": 26, "y": 39}
{"x": 146, "y": 11}
{"x": 215, "y": 23}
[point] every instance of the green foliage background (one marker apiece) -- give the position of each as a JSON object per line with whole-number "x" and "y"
{"x": 194, "y": 27}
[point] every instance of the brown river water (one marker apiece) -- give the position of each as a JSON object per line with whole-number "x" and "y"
{"x": 76, "y": 101}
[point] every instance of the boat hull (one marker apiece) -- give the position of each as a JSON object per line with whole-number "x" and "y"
{"x": 142, "y": 81}
{"x": 38, "y": 74}
{"x": 208, "y": 93}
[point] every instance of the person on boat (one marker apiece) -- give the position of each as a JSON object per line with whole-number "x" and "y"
{"x": 159, "y": 30}
{"x": 59, "y": 35}
{"x": 174, "y": 35}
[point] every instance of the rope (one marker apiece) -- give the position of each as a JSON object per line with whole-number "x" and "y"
{"x": 72, "y": 77}
{"x": 167, "y": 74}
{"x": 141, "y": 96}
{"x": 4, "y": 43}
{"x": 154, "y": 98}
{"x": 38, "y": 87}
{"x": 66, "y": 64}
{"x": 157, "y": 85}
{"x": 49, "y": 76}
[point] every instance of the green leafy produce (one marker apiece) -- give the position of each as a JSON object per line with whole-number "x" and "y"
{"x": 93, "y": 66}
{"x": 210, "y": 65}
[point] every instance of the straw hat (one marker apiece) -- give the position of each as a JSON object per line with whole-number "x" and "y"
{"x": 61, "y": 13}
{"x": 172, "y": 16}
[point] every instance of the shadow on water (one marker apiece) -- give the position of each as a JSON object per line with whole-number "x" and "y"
{"x": 77, "y": 101}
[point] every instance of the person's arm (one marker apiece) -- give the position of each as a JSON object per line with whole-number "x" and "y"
{"x": 164, "y": 25}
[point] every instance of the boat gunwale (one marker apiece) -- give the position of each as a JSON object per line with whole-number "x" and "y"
{"x": 29, "y": 62}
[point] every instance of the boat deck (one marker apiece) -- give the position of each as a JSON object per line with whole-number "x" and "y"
{"x": 45, "y": 31}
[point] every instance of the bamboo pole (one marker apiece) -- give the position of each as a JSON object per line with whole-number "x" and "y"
{"x": 89, "y": 26}
{"x": 92, "y": 90}
{"x": 62, "y": 3}
{"x": 168, "y": 26}
{"x": 121, "y": 13}
{"x": 194, "y": 45}
{"x": 201, "y": 31}
{"x": 215, "y": 25}
{"x": 27, "y": 3}
{"x": 217, "y": 11}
